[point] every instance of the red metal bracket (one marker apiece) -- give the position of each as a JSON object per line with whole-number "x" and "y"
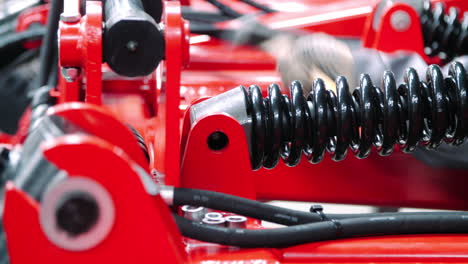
{"x": 81, "y": 49}
{"x": 139, "y": 217}
{"x": 100, "y": 122}
{"x": 31, "y": 16}
{"x": 167, "y": 123}
{"x": 399, "y": 29}
{"x": 225, "y": 170}
{"x": 398, "y": 180}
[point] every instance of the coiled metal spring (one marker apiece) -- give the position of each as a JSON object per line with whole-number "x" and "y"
{"x": 415, "y": 112}
{"x": 445, "y": 35}
{"x": 141, "y": 142}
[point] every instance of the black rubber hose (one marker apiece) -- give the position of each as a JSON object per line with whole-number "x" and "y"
{"x": 322, "y": 231}
{"x": 257, "y": 35}
{"x": 52, "y": 80}
{"x": 226, "y": 10}
{"x": 49, "y": 42}
{"x": 242, "y": 206}
{"x": 20, "y": 37}
{"x": 275, "y": 214}
{"x": 22, "y": 58}
{"x": 257, "y": 5}
{"x": 204, "y": 17}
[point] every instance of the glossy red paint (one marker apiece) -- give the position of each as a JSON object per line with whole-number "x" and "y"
{"x": 222, "y": 170}
{"x": 32, "y": 17}
{"x": 143, "y": 230}
{"x": 155, "y": 105}
{"x": 81, "y": 48}
{"x": 388, "y": 249}
{"x": 167, "y": 134}
{"x": 100, "y": 122}
{"x": 388, "y": 38}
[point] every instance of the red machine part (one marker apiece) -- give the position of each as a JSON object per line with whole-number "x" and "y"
{"x": 142, "y": 232}
{"x": 163, "y": 129}
{"x": 87, "y": 116}
{"x": 167, "y": 122}
{"x": 398, "y": 24}
{"x": 144, "y": 219}
{"x": 80, "y": 48}
{"x": 32, "y": 16}
{"x": 36, "y": 15}
{"x": 398, "y": 180}
{"x": 402, "y": 249}
{"x": 195, "y": 83}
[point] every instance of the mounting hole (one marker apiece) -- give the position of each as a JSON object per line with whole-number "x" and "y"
{"x": 217, "y": 141}
{"x": 77, "y": 214}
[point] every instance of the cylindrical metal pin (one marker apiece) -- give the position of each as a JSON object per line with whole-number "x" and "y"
{"x": 195, "y": 213}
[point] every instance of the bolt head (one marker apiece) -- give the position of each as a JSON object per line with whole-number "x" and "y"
{"x": 400, "y": 21}
{"x": 70, "y": 74}
{"x": 70, "y": 17}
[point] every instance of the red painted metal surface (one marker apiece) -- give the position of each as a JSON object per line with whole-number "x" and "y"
{"x": 223, "y": 170}
{"x": 143, "y": 230}
{"x": 100, "y": 122}
{"x": 81, "y": 48}
{"x": 388, "y": 38}
{"x": 167, "y": 122}
{"x": 32, "y": 17}
{"x": 155, "y": 105}
{"x": 398, "y": 180}
{"x": 389, "y": 249}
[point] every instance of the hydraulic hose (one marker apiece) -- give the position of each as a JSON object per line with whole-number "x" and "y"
{"x": 326, "y": 230}
{"x": 20, "y": 37}
{"x": 242, "y": 206}
{"x": 49, "y": 42}
{"x": 226, "y": 10}
{"x": 274, "y": 214}
{"x": 259, "y": 6}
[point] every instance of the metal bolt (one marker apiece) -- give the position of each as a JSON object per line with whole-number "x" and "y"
{"x": 400, "y": 21}
{"x": 132, "y": 46}
{"x": 70, "y": 73}
{"x": 70, "y": 17}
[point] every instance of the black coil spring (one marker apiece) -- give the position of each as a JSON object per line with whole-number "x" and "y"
{"x": 141, "y": 142}
{"x": 445, "y": 35}
{"x": 415, "y": 112}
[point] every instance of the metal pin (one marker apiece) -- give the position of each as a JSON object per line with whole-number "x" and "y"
{"x": 71, "y": 11}
{"x": 236, "y": 221}
{"x": 194, "y": 213}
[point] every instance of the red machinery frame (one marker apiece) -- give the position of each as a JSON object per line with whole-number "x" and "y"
{"x": 180, "y": 157}
{"x": 399, "y": 180}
